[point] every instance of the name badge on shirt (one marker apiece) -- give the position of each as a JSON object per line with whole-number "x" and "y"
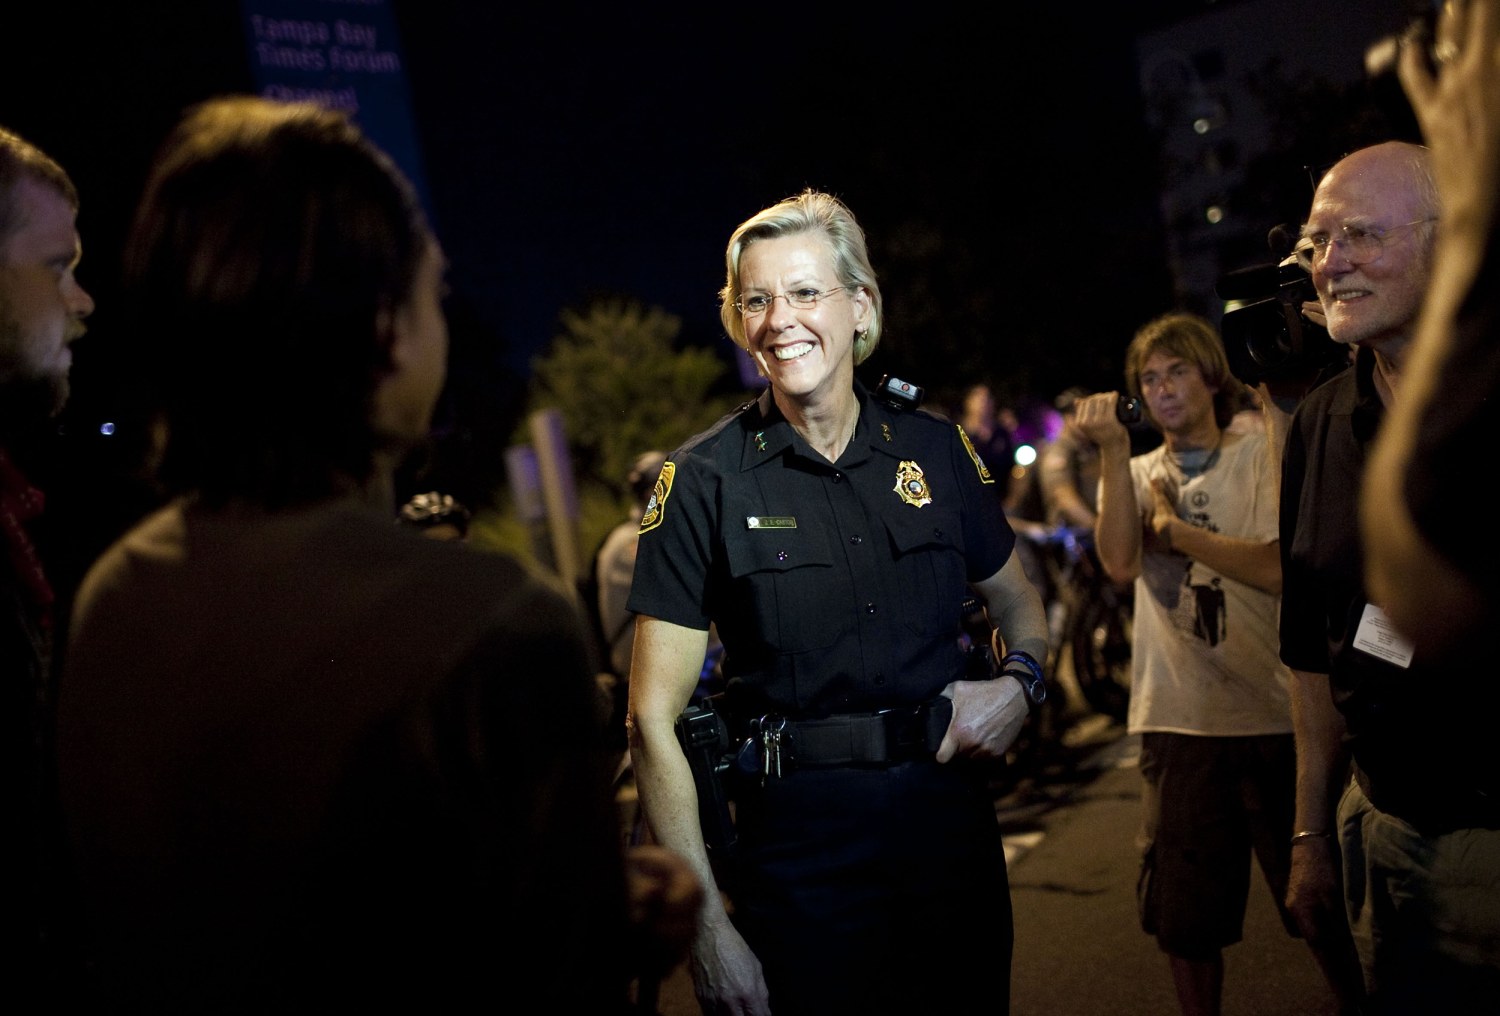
{"x": 1378, "y": 637}
{"x": 770, "y": 522}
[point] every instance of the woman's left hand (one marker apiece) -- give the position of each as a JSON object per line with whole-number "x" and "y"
{"x": 987, "y": 718}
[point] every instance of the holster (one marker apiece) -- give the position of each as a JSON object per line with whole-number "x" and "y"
{"x": 704, "y": 737}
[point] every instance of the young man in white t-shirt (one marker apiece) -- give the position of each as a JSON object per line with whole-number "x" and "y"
{"x": 1193, "y": 523}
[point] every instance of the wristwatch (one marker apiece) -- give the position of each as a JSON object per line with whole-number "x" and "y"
{"x": 1033, "y": 685}
{"x": 1025, "y": 669}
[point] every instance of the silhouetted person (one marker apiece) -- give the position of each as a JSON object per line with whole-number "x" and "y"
{"x": 42, "y": 308}
{"x": 310, "y": 760}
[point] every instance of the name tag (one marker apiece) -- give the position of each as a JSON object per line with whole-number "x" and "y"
{"x": 1378, "y": 637}
{"x": 770, "y": 522}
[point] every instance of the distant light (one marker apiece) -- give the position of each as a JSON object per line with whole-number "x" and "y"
{"x": 1214, "y": 214}
{"x": 107, "y": 429}
{"x": 1202, "y": 125}
{"x": 1025, "y": 455}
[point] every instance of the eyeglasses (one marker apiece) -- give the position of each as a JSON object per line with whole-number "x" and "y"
{"x": 802, "y": 299}
{"x": 1362, "y": 244}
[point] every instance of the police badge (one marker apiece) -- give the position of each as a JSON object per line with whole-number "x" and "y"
{"x": 910, "y": 484}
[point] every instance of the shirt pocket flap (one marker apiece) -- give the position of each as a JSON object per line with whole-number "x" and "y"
{"x": 776, "y": 550}
{"x": 923, "y": 528}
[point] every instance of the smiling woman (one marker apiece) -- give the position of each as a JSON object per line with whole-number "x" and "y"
{"x": 832, "y": 539}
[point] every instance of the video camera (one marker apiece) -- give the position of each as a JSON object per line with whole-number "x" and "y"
{"x": 1265, "y": 335}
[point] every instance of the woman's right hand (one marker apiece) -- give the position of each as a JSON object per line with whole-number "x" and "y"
{"x": 727, "y": 977}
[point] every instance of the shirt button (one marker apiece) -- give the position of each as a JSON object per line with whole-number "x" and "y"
{"x": 838, "y": 477}
{"x": 880, "y": 679}
{"x": 937, "y": 531}
{"x": 869, "y": 608}
{"x": 856, "y": 540}
{"x": 782, "y": 555}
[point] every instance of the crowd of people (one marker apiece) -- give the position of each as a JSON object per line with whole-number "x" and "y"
{"x": 285, "y": 747}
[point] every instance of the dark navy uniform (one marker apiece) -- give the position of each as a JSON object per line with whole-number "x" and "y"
{"x": 869, "y": 884}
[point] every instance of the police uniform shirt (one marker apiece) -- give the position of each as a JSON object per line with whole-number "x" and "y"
{"x": 836, "y": 588}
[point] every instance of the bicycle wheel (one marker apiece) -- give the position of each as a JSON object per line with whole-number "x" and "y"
{"x": 1101, "y": 653}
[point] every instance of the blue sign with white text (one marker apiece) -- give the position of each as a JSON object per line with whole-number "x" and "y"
{"x": 344, "y": 54}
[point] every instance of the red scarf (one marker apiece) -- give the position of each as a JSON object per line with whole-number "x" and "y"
{"x": 19, "y": 503}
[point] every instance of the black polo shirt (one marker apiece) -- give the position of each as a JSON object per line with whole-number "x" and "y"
{"x": 835, "y": 588}
{"x": 1420, "y": 735}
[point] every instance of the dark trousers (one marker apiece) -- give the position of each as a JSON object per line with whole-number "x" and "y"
{"x": 876, "y": 890}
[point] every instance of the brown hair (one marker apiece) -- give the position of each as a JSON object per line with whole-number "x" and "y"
{"x": 1194, "y": 339}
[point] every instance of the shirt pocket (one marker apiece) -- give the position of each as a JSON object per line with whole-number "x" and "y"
{"x": 929, "y": 561}
{"x": 786, "y": 581}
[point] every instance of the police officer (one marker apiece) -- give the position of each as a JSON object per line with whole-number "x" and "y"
{"x": 831, "y": 538}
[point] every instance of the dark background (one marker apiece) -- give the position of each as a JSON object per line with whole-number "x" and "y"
{"x": 1007, "y": 169}
{"x": 575, "y": 151}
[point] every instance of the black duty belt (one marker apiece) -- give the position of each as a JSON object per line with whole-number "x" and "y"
{"x": 776, "y": 744}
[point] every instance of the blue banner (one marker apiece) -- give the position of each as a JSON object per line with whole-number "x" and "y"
{"x": 344, "y": 54}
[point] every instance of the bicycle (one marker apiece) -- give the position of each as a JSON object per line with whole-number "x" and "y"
{"x": 1089, "y": 616}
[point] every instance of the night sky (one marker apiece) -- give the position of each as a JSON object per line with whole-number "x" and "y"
{"x": 570, "y": 153}
{"x": 1000, "y": 164}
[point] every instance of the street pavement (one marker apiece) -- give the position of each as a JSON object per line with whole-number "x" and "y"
{"x": 1070, "y": 844}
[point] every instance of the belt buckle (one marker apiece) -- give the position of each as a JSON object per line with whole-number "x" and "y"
{"x": 905, "y": 733}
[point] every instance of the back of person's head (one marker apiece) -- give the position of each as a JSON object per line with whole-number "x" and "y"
{"x": 979, "y": 403}
{"x": 271, "y": 246}
{"x": 1195, "y": 340}
{"x": 436, "y": 515}
{"x": 643, "y": 474}
{"x": 22, "y": 160}
{"x": 809, "y": 212}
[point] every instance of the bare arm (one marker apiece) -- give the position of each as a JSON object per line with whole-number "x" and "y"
{"x": 1254, "y": 563}
{"x": 988, "y": 715}
{"x": 1314, "y": 895}
{"x": 663, "y": 673}
{"x": 1060, "y": 490}
{"x": 1118, "y": 531}
{"x": 1459, "y": 110}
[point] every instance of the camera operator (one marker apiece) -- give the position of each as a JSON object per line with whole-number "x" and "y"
{"x": 1193, "y": 524}
{"x": 1416, "y": 828}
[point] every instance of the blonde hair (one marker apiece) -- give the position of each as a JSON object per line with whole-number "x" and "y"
{"x": 809, "y": 212}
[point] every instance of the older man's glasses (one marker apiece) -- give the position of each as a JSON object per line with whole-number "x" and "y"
{"x": 1362, "y": 244}
{"x": 802, "y": 299}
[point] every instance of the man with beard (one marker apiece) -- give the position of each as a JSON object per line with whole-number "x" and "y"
{"x": 42, "y": 307}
